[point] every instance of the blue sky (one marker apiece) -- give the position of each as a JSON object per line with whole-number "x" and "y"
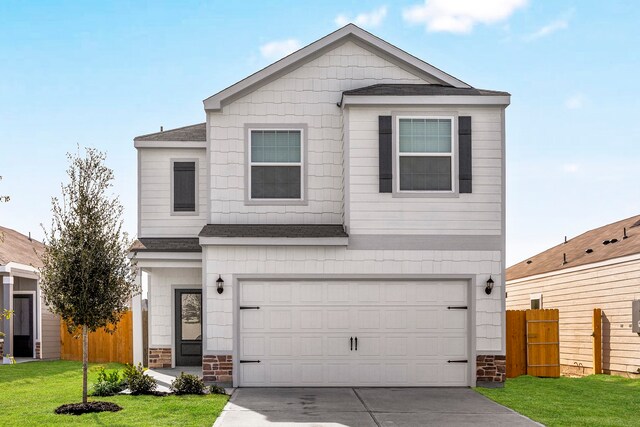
{"x": 99, "y": 73}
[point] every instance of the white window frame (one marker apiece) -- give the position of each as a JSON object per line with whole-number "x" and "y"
{"x": 301, "y": 163}
{"x": 451, "y": 154}
{"x": 533, "y": 297}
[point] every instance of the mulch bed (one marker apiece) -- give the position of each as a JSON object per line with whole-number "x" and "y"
{"x": 86, "y": 408}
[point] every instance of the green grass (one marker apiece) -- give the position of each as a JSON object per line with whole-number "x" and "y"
{"x": 596, "y": 400}
{"x": 29, "y": 393}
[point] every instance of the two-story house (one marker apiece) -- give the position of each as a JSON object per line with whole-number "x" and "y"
{"x": 338, "y": 220}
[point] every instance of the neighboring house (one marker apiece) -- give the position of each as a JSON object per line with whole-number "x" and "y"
{"x": 597, "y": 269}
{"x": 32, "y": 330}
{"x": 334, "y": 222}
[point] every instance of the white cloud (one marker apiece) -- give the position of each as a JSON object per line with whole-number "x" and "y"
{"x": 279, "y": 48}
{"x": 460, "y": 16}
{"x": 557, "y": 25}
{"x": 575, "y": 102}
{"x": 365, "y": 19}
{"x": 570, "y": 167}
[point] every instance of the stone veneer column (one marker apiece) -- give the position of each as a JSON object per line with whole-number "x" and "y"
{"x": 159, "y": 357}
{"x": 1, "y": 347}
{"x": 217, "y": 368}
{"x": 38, "y": 350}
{"x": 491, "y": 371}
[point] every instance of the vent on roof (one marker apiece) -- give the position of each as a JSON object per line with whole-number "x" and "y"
{"x": 624, "y": 233}
{"x": 614, "y": 240}
{"x": 636, "y": 224}
{"x": 606, "y": 242}
{"x": 589, "y": 251}
{"x": 529, "y": 261}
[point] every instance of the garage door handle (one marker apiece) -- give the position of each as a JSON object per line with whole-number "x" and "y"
{"x": 351, "y": 346}
{"x": 457, "y": 307}
{"x": 356, "y": 343}
{"x": 457, "y": 361}
{"x": 249, "y": 361}
{"x": 249, "y": 307}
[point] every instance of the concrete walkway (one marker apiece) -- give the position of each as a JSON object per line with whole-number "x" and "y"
{"x": 370, "y": 407}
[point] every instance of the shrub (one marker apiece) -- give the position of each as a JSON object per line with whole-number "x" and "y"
{"x": 137, "y": 381}
{"x": 216, "y": 389}
{"x": 188, "y": 384}
{"x": 108, "y": 384}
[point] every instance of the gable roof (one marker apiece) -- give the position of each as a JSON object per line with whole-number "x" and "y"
{"x": 166, "y": 244}
{"x": 18, "y": 248}
{"x": 274, "y": 230}
{"x": 186, "y": 133}
{"x": 405, "y": 89}
{"x": 575, "y": 249}
{"x": 313, "y": 50}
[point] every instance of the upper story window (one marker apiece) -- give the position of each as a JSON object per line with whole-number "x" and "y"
{"x": 276, "y": 164}
{"x": 425, "y": 154}
{"x": 184, "y": 186}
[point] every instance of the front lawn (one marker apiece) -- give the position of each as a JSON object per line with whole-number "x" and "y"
{"x": 596, "y": 400}
{"x": 29, "y": 393}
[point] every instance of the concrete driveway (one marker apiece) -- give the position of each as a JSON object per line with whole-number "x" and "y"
{"x": 256, "y": 407}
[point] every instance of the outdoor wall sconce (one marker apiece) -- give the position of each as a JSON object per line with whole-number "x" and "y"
{"x": 489, "y": 286}
{"x": 220, "y": 284}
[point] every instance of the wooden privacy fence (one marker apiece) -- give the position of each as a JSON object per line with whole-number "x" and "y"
{"x": 103, "y": 346}
{"x": 533, "y": 343}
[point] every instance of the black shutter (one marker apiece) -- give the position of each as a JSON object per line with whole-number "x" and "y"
{"x": 184, "y": 186}
{"x": 464, "y": 154}
{"x": 385, "y": 154}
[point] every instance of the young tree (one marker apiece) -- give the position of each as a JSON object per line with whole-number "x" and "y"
{"x": 87, "y": 279}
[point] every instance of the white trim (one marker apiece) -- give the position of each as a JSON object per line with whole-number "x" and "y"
{"x": 196, "y": 189}
{"x": 170, "y": 144}
{"x": 425, "y": 100}
{"x": 34, "y": 320}
{"x": 11, "y": 266}
{"x": 275, "y": 241}
{"x": 451, "y": 154}
{"x": 300, "y": 163}
{"x": 166, "y": 256}
{"x": 307, "y": 53}
{"x": 612, "y": 261}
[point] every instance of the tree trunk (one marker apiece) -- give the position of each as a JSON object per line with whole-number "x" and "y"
{"x": 85, "y": 361}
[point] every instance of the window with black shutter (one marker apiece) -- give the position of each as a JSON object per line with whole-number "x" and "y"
{"x": 184, "y": 186}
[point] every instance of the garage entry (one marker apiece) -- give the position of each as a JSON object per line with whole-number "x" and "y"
{"x": 353, "y": 333}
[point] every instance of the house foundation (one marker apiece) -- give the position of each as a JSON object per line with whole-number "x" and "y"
{"x": 217, "y": 368}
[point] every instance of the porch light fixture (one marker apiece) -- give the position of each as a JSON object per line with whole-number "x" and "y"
{"x": 489, "y": 286}
{"x": 220, "y": 284}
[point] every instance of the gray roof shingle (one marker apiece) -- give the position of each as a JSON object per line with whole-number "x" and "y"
{"x": 274, "y": 230}
{"x": 166, "y": 244}
{"x": 419, "y": 90}
{"x": 187, "y": 133}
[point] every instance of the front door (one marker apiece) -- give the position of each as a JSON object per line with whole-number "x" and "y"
{"x": 188, "y": 327}
{"x": 23, "y": 326}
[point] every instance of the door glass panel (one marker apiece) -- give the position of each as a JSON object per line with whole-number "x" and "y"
{"x": 21, "y": 316}
{"x": 191, "y": 320}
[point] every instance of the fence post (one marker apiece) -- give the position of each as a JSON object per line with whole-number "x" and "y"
{"x": 597, "y": 341}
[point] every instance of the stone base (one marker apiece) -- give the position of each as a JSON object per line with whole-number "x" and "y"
{"x": 159, "y": 358}
{"x": 218, "y": 369}
{"x": 491, "y": 369}
{"x": 38, "y": 350}
{"x": 1, "y": 347}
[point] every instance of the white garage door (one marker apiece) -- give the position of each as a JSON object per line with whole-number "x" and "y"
{"x": 352, "y": 333}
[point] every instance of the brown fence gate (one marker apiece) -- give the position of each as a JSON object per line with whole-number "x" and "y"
{"x": 533, "y": 343}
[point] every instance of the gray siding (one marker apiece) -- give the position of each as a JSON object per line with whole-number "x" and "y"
{"x": 50, "y": 338}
